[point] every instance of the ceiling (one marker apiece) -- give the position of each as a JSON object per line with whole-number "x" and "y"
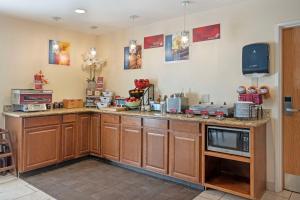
{"x": 107, "y": 15}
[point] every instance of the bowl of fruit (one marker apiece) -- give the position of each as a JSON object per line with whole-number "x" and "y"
{"x": 141, "y": 83}
{"x": 132, "y": 102}
{"x": 137, "y": 93}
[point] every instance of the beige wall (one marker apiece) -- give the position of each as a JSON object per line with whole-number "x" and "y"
{"x": 215, "y": 66}
{"x": 24, "y": 51}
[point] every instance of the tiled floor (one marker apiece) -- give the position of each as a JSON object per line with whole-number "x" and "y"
{"x": 12, "y": 188}
{"x": 216, "y": 195}
{"x": 92, "y": 180}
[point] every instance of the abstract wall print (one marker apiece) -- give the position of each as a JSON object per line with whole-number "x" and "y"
{"x": 174, "y": 50}
{"x": 59, "y": 52}
{"x": 133, "y": 60}
{"x": 205, "y": 33}
{"x": 154, "y": 41}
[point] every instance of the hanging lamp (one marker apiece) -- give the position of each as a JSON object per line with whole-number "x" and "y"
{"x": 133, "y": 42}
{"x": 185, "y": 34}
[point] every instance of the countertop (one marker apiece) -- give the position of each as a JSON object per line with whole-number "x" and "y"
{"x": 211, "y": 120}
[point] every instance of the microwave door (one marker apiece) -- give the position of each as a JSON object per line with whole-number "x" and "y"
{"x": 229, "y": 140}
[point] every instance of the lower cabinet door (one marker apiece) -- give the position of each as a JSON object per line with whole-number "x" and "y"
{"x": 41, "y": 147}
{"x": 68, "y": 141}
{"x": 131, "y": 146}
{"x": 83, "y": 139}
{"x": 185, "y": 156}
{"x": 155, "y": 150}
{"x": 110, "y": 137}
{"x": 95, "y": 135}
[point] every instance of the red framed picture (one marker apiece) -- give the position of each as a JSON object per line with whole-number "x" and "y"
{"x": 153, "y": 41}
{"x": 205, "y": 33}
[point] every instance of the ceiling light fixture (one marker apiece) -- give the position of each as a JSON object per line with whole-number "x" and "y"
{"x": 185, "y": 35}
{"x": 94, "y": 27}
{"x": 80, "y": 11}
{"x": 55, "y": 45}
{"x": 133, "y": 42}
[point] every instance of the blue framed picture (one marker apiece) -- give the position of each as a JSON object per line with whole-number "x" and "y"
{"x": 174, "y": 51}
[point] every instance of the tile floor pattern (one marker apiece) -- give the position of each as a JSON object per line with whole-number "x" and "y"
{"x": 92, "y": 180}
{"x": 12, "y": 188}
{"x": 69, "y": 186}
{"x": 216, "y": 195}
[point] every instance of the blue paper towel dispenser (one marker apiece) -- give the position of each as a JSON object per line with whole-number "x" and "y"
{"x": 256, "y": 58}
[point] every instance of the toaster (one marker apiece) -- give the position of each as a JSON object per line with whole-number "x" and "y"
{"x": 177, "y": 104}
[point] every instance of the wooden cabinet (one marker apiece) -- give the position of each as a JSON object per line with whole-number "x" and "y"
{"x": 185, "y": 150}
{"x": 155, "y": 145}
{"x": 68, "y": 141}
{"x": 41, "y": 146}
{"x": 110, "y": 137}
{"x": 95, "y": 147}
{"x": 131, "y": 141}
{"x": 83, "y": 137}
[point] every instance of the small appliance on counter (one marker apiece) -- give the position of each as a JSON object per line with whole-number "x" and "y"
{"x": 212, "y": 109}
{"x": 155, "y": 106}
{"x": 30, "y": 100}
{"x": 233, "y": 141}
{"x": 177, "y": 103}
{"x": 247, "y": 110}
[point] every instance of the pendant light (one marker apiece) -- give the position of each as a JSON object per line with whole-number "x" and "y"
{"x": 133, "y": 42}
{"x": 55, "y": 45}
{"x": 185, "y": 35}
{"x": 93, "y": 51}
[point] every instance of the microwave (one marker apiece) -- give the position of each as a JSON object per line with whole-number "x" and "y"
{"x": 228, "y": 140}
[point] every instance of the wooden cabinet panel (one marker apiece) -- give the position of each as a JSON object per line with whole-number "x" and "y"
{"x": 95, "y": 134}
{"x": 131, "y": 121}
{"x": 83, "y": 139}
{"x": 131, "y": 146}
{"x": 185, "y": 156}
{"x": 42, "y": 121}
{"x": 68, "y": 141}
{"x": 110, "y": 118}
{"x": 155, "y": 150}
{"x": 110, "y": 141}
{"x": 41, "y": 147}
{"x": 155, "y": 123}
{"x": 184, "y": 126}
{"x": 67, "y": 118}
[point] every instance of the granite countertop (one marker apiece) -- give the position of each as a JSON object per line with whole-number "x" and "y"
{"x": 211, "y": 120}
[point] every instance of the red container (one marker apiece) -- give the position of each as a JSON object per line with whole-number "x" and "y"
{"x": 255, "y": 98}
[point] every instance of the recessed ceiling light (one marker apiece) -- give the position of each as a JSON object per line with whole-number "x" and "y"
{"x": 80, "y": 11}
{"x": 56, "y": 18}
{"x": 94, "y": 27}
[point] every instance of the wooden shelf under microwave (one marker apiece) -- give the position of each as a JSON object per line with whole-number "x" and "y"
{"x": 231, "y": 184}
{"x": 227, "y": 156}
{"x": 237, "y": 175}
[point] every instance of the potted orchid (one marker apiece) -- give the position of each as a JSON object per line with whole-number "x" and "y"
{"x": 92, "y": 66}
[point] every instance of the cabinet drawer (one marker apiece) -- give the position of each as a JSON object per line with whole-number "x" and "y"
{"x": 112, "y": 119}
{"x": 131, "y": 121}
{"x": 69, "y": 118}
{"x": 184, "y": 126}
{"x": 41, "y": 121}
{"x": 156, "y": 123}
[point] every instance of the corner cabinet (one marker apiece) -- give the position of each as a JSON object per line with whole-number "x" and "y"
{"x": 68, "y": 137}
{"x": 95, "y": 140}
{"x": 83, "y": 138}
{"x": 184, "y": 150}
{"x": 110, "y": 136}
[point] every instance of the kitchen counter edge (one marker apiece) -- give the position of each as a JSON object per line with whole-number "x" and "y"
{"x": 211, "y": 120}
